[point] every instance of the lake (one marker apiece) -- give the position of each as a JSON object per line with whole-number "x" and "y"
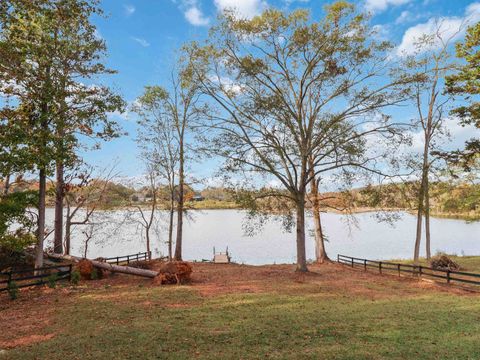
{"x": 118, "y": 233}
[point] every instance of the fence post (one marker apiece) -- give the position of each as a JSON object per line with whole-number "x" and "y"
{"x": 420, "y": 271}
{"x": 448, "y": 276}
{"x": 117, "y": 260}
{"x": 128, "y": 259}
{"x": 137, "y": 257}
{"x": 398, "y": 269}
{"x": 338, "y": 258}
{"x": 365, "y": 264}
{"x": 380, "y": 267}
{"x": 352, "y": 262}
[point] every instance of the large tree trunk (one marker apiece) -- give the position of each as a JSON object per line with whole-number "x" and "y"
{"x": 427, "y": 220}
{"x": 68, "y": 227}
{"x": 170, "y": 231}
{"x": 6, "y": 184}
{"x": 421, "y": 202}
{"x": 320, "y": 252}
{"x": 59, "y": 194}
{"x": 42, "y": 187}
{"x": 147, "y": 236}
{"x": 301, "y": 251}
{"x": 150, "y": 222}
{"x": 181, "y": 184}
{"x": 418, "y": 236}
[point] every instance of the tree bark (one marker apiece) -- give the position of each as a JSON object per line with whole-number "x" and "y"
{"x": 427, "y": 220}
{"x": 421, "y": 202}
{"x": 170, "y": 230}
{"x": 320, "y": 252}
{"x": 68, "y": 226}
{"x": 6, "y": 184}
{"x": 42, "y": 187}
{"x": 181, "y": 184}
{"x": 150, "y": 221}
{"x": 125, "y": 269}
{"x": 420, "y": 211}
{"x": 59, "y": 194}
{"x": 301, "y": 251}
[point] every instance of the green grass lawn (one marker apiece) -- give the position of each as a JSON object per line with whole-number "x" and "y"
{"x": 311, "y": 320}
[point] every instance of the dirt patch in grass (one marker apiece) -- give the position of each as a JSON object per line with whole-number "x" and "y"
{"x": 26, "y": 320}
{"x": 218, "y": 279}
{"x": 25, "y": 341}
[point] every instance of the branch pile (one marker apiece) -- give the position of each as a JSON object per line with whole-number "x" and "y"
{"x": 443, "y": 262}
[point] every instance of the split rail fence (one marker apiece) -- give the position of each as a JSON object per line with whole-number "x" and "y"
{"x": 388, "y": 267}
{"x": 128, "y": 258}
{"x": 31, "y": 277}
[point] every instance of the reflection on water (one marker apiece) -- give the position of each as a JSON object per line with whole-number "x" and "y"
{"x": 118, "y": 234}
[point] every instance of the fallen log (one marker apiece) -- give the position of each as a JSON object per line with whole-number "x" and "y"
{"x": 124, "y": 269}
{"x": 110, "y": 267}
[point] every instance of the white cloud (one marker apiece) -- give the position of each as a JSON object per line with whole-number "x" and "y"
{"x": 408, "y": 17}
{"x": 195, "y": 16}
{"x": 290, "y": 2}
{"x": 243, "y": 8}
{"x": 120, "y": 115}
{"x": 129, "y": 9}
{"x": 450, "y": 28}
{"x": 376, "y": 6}
{"x": 459, "y": 134}
{"x": 404, "y": 17}
{"x": 227, "y": 84}
{"x": 192, "y": 12}
{"x": 141, "y": 41}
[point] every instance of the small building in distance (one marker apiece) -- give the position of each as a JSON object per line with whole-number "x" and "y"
{"x": 138, "y": 197}
{"x": 197, "y": 197}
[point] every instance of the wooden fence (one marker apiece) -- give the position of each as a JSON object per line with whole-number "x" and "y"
{"x": 128, "y": 258}
{"x": 21, "y": 280}
{"x": 415, "y": 270}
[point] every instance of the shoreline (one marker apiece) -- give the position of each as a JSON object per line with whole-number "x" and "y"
{"x": 198, "y": 206}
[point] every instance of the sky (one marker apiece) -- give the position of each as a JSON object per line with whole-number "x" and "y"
{"x": 144, "y": 36}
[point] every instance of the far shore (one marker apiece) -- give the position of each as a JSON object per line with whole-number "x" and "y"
{"x": 230, "y": 205}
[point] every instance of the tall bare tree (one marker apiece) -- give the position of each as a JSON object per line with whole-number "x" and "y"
{"x": 157, "y": 139}
{"x": 84, "y": 194}
{"x": 183, "y": 105}
{"x": 297, "y": 98}
{"x": 147, "y": 216}
{"x": 430, "y": 63}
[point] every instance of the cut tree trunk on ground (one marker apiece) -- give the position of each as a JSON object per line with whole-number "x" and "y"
{"x": 110, "y": 267}
{"x": 124, "y": 269}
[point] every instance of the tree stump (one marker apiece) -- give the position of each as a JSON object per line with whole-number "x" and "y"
{"x": 174, "y": 272}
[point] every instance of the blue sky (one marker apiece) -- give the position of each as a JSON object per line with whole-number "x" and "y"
{"x": 143, "y": 37}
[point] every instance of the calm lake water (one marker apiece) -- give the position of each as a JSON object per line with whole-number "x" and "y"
{"x": 118, "y": 233}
